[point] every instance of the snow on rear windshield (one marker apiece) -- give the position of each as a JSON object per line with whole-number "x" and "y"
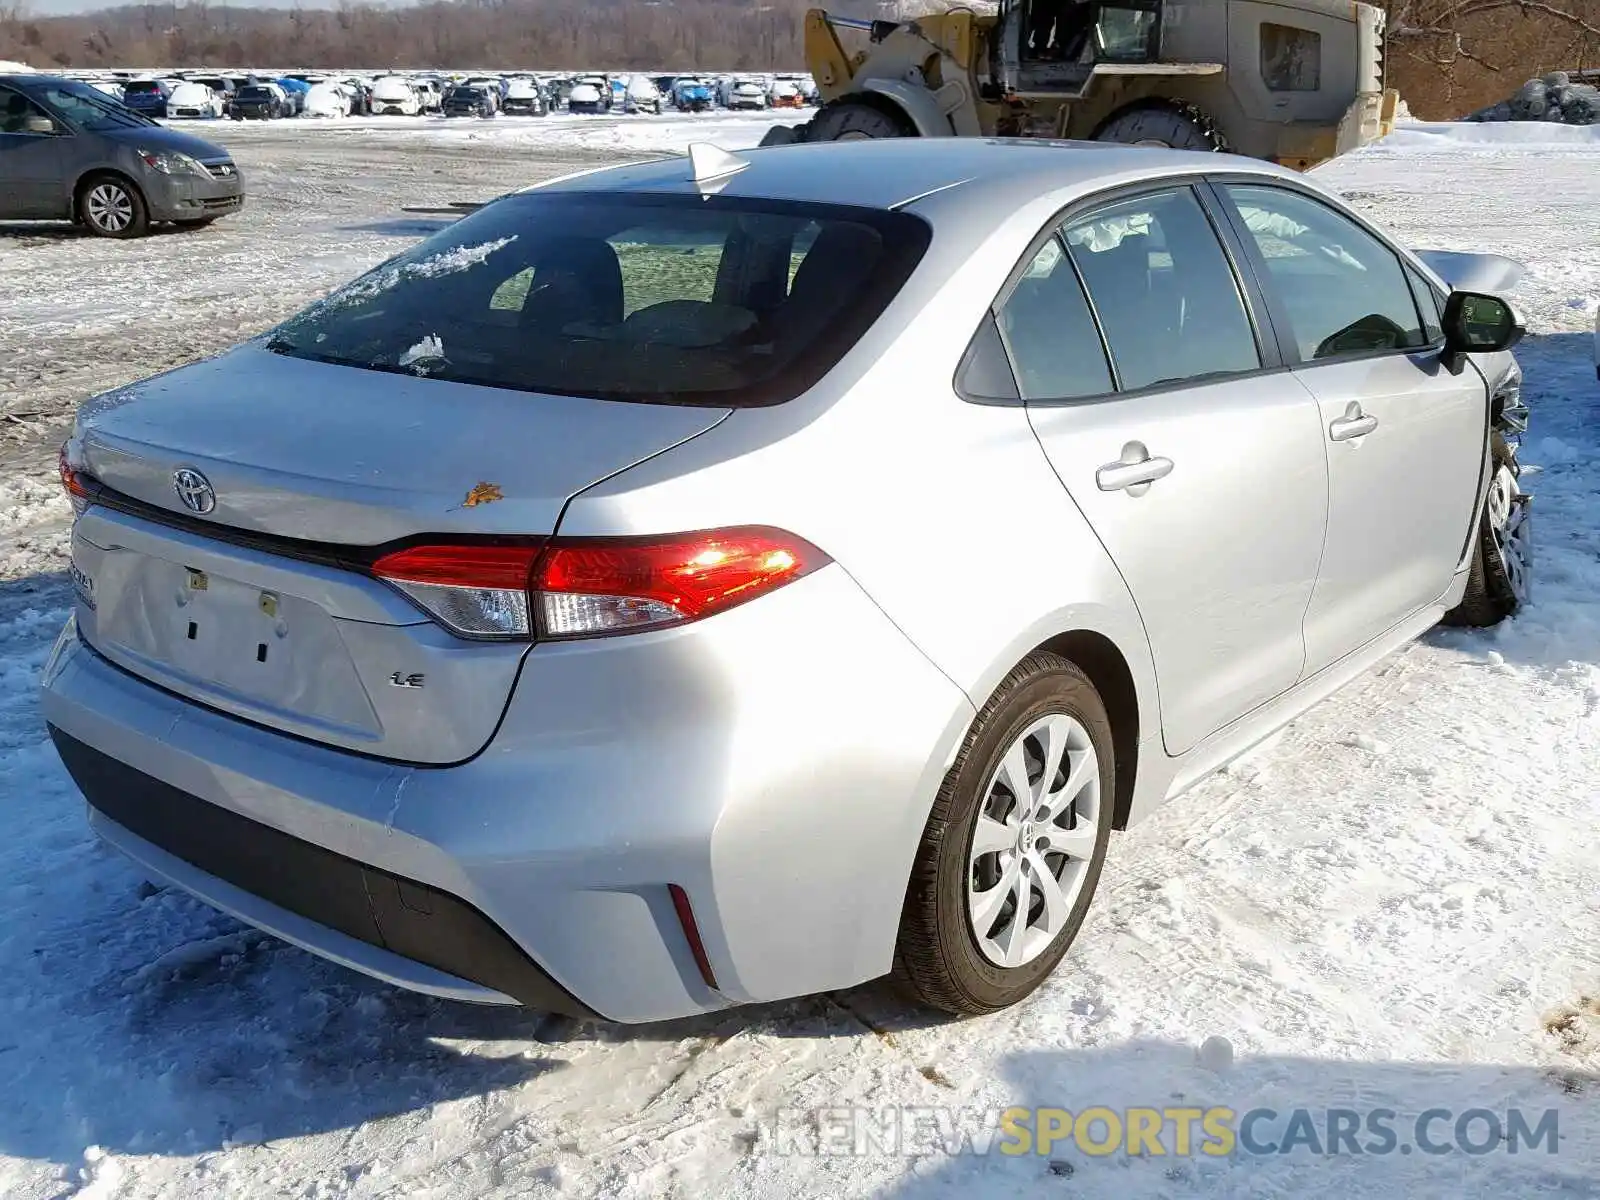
{"x": 672, "y": 299}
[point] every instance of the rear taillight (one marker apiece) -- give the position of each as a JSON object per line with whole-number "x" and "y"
{"x": 476, "y": 591}
{"x": 73, "y": 481}
{"x": 596, "y": 586}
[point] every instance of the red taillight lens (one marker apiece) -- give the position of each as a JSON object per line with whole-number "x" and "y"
{"x": 614, "y": 585}
{"x": 577, "y": 589}
{"x": 73, "y": 481}
{"x": 476, "y": 591}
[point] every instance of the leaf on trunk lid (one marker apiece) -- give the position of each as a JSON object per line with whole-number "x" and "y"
{"x": 484, "y": 493}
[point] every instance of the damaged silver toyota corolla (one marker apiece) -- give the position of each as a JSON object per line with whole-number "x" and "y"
{"x": 705, "y": 582}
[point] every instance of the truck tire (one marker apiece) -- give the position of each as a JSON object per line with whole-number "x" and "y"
{"x": 1175, "y": 126}
{"x": 851, "y": 121}
{"x": 784, "y": 135}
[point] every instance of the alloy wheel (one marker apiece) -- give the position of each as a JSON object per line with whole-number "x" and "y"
{"x": 1507, "y": 511}
{"x": 1038, "y": 824}
{"x": 109, "y": 207}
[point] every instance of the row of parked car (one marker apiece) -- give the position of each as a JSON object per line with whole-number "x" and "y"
{"x": 262, "y": 96}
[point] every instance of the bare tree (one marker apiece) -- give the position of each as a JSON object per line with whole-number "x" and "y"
{"x": 1444, "y": 32}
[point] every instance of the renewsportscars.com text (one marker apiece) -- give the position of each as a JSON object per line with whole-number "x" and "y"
{"x": 1169, "y": 1131}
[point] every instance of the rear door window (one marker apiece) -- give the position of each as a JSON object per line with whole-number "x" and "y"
{"x": 670, "y": 299}
{"x": 1163, "y": 290}
{"x": 1055, "y": 350}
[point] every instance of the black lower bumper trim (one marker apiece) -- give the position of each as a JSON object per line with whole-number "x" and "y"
{"x": 411, "y": 919}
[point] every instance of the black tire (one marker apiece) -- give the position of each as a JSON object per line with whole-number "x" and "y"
{"x": 1494, "y": 593}
{"x": 94, "y": 214}
{"x": 937, "y": 959}
{"x": 1177, "y": 126}
{"x": 784, "y": 135}
{"x": 851, "y": 119}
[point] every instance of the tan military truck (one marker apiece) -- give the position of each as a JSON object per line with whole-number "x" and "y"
{"x": 1293, "y": 81}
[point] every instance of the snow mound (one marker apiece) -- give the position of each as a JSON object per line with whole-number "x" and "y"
{"x": 1554, "y": 98}
{"x": 1501, "y": 137}
{"x": 15, "y": 68}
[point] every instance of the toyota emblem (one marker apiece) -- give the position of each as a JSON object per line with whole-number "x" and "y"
{"x": 194, "y": 489}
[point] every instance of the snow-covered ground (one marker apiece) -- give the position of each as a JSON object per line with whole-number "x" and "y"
{"x": 1393, "y": 904}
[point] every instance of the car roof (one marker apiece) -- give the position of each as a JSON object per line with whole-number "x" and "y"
{"x": 995, "y": 173}
{"x": 24, "y": 80}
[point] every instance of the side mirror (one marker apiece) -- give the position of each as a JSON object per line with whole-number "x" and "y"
{"x": 38, "y": 125}
{"x": 1478, "y": 324}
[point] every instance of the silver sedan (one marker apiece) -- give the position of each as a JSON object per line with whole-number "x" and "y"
{"x": 722, "y": 579}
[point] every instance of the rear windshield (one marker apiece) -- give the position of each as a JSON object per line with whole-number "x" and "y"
{"x": 255, "y": 92}
{"x": 140, "y": 89}
{"x": 666, "y": 299}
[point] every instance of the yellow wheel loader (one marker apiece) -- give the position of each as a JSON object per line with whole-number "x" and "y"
{"x": 1293, "y": 81}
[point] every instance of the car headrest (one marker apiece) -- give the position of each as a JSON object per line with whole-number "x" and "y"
{"x": 576, "y": 280}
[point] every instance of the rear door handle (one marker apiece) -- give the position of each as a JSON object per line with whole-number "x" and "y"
{"x": 1353, "y": 424}
{"x": 1134, "y": 473}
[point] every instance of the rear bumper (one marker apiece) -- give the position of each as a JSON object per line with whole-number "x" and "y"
{"x": 394, "y": 926}
{"x": 776, "y": 762}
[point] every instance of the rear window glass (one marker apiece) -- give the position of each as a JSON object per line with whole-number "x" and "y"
{"x": 667, "y": 299}
{"x": 137, "y": 89}
{"x": 255, "y": 93}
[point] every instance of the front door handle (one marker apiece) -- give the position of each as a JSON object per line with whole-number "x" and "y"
{"x": 1353, "y": 424}
{"x": 1134, "y": 473}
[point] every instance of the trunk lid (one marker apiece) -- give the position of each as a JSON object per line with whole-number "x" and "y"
{"x": 246, "y": 607}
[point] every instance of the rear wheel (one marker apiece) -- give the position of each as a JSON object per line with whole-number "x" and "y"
{"x": 1174, "y": 126}
{"x": 1502, "y": 553}
{"x": 112, "y": 207}
{"x": 1014, "y": 845}
{"x": 851, "y": 121}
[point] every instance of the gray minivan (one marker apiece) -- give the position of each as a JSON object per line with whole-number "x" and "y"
{"x": 69, "y": 152}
